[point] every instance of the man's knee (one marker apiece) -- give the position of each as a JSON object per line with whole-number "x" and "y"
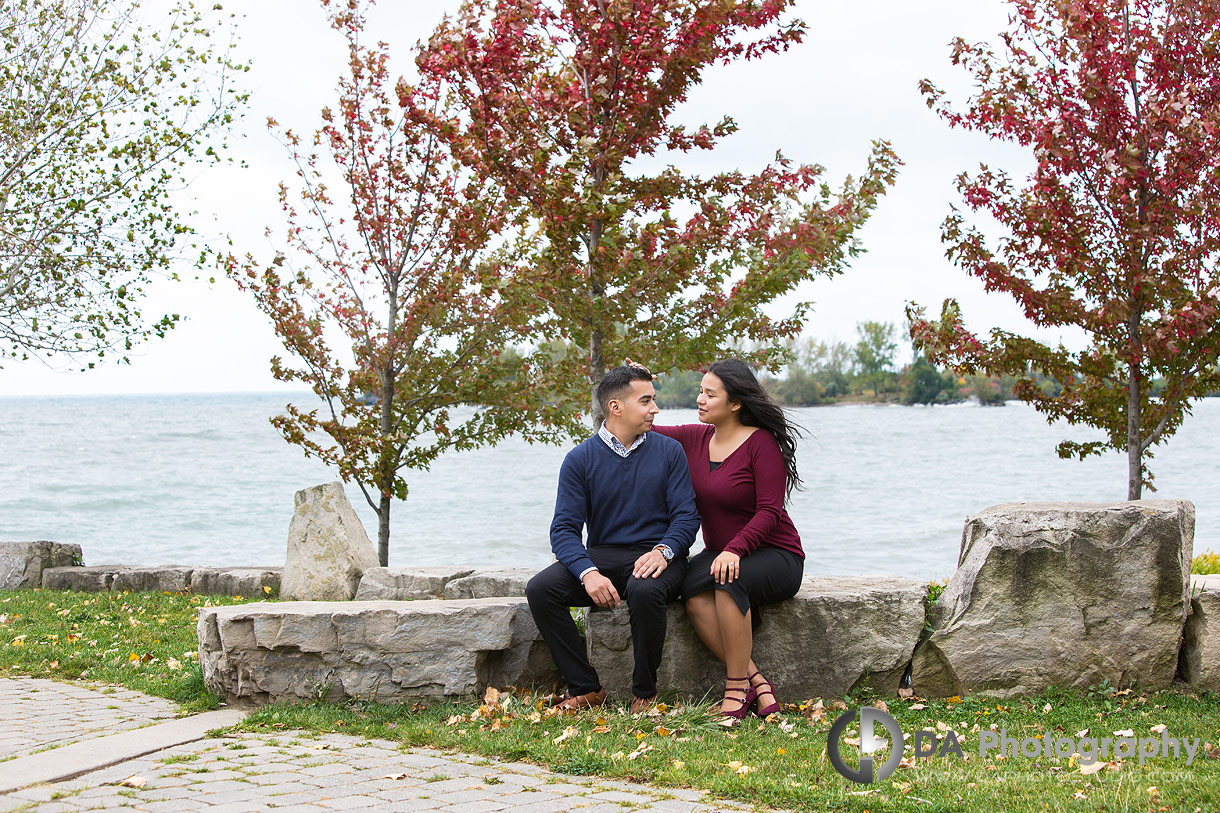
{"x": 548, "y": 587}
{"x": 648, "y": 593}
{"x": 538, "y": 589}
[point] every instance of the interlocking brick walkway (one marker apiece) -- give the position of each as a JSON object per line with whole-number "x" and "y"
{"x": 36, "y": 714}
{"x": 293, "y": 770}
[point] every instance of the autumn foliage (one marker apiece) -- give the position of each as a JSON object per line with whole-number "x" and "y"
{"x": 1117, "y": 229}
{"x": 570, "y": 108}
{"x": 389, "y": 293}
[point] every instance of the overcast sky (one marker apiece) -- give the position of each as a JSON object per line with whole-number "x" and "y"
{"x": 854, "y": 79}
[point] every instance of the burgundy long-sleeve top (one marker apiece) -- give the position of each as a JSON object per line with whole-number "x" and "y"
{"x": 741, "y": 503}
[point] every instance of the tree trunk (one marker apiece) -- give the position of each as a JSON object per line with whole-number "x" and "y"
{"x": 386, "y": 463}
{"x": 1135, "y": 473}
{"x": 383, "y": 530}
{"x": 597, "y": 369}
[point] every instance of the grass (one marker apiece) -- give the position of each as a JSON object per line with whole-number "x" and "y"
{"x": 146, "y": 642}
{"x": 1205, "y": 564}
{"x": 783, "y": 762}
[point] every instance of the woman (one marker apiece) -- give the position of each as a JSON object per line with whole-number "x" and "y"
{"x": 742, "y": 458}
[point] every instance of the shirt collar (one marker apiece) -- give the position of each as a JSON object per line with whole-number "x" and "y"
{"x": 615, "y": 444}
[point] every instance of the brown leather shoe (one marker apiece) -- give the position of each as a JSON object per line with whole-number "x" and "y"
{"x": 579, "y": 702}
{"x": 642, "y": 704}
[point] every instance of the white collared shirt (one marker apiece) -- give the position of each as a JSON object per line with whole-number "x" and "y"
{"x": 616, "y": 445}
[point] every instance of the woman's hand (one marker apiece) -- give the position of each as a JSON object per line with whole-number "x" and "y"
{"x": 630, "y": 363}
{"x": 726, "y": 567}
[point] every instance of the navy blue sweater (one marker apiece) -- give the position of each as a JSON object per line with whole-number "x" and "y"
{"x": 644, "y": 497}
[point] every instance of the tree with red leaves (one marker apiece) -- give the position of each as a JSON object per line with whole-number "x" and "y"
{"x": 1117, "y": 229}
{"x": 564, "y": 103}
{"x": 397, "y": 254}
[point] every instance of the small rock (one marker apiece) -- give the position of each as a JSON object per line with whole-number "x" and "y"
{"x": 328, "y": 550}
{"x": 22, "y": 563}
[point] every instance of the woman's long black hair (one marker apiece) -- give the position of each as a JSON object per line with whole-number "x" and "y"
{"x": 758, "y": 409}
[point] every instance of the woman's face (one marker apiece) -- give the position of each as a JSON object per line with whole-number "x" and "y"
{"x": 714, "y": 404}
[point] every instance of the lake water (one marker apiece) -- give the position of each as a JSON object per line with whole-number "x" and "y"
{"x": 206, "y": 480}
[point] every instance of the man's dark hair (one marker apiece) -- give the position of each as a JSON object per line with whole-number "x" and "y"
{"x": 616, "y": 383}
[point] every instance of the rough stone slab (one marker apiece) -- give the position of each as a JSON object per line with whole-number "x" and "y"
{"x": 407, "y": 583}
{"x": 235, "y": 581}
{"x": 1063, "y": 594}
{"x": 834, "y": 635}
{"x": 328, "y": 550}
{"x": 168, "y": 579}
{"x": 370, "y": 650}
{"x": 490, "y": 583}
{"x": 94, "y": 579}
{"x": 1200, "y": 660}
{"x": 22, "y": 563}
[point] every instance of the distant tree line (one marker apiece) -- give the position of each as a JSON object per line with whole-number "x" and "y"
{"x": 830, "y": 372}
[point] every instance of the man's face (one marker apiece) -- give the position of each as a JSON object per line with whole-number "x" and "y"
{"x": 637, "y": 407}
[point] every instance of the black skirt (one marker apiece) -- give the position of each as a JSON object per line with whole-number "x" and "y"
{"x": 768, "y": 576}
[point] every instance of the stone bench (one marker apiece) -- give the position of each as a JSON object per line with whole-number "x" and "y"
{"x": 385, "y": 651}
{"x": 232, "y": 581}
{"x": 414, "y": 583}
{"x": 836, "y": 634}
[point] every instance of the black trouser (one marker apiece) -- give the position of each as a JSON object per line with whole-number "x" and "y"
{"x": 555, "y": 590}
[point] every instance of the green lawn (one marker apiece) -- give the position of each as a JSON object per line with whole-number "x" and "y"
{"x": 146, "y": 641}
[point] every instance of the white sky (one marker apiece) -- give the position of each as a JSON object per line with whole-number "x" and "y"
{"x": 852, "y": 80}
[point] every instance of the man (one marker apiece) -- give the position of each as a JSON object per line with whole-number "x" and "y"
{"x": 632, "y": 491}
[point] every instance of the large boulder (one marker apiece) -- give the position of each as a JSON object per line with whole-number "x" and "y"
{"x": 1062, "y": 594}
{"x": 236, "y": 581}
{"x": 22, "y": 563}
{"x": 836, "y": 634}
{"x": 407, "y": 583}
{"x": 383, "y": 651}
{"x": 328, "y": 549}
{"x": 502, "y": 581}
{"x": 1200, "y": 660}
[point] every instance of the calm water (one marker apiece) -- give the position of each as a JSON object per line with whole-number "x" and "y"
{"x": 206, "y": 480}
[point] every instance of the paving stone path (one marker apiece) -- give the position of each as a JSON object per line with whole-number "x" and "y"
{"x": 36, "y": 714}
{"x": 303, "y": 771}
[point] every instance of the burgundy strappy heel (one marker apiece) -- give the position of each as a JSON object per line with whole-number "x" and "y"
{"x": 775, "y": 707}
{"x": 746, "y": 702}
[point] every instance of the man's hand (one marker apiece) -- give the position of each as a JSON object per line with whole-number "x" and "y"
{"x": 726, "y": 567}
{"x": 650, "y": 565}
{"x": 601, "y": 590}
